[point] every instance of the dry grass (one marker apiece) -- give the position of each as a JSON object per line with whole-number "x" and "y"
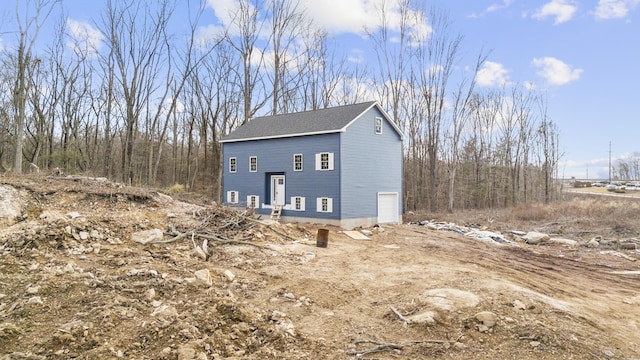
{"x": 579, "y": 217}
{"x": 174, "y": 189}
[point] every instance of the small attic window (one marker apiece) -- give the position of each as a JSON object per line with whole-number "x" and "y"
{"x": 378, "y": 125}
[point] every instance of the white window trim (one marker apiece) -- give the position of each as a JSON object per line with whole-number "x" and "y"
{"x": 293, "y": 203}
{"x": 301, "y": 162}
{"x": 329, "y": 205}
{"x": 256, "y": 205}
{"x": 378, "y": 130}
{"x": 233, "y": 194}
{"x": 319, "y": 161}
{"x": 235, "y": 167}
{"x": 250, "y": 158}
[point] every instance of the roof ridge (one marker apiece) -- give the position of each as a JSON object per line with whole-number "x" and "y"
{"x": 315, "y": 110}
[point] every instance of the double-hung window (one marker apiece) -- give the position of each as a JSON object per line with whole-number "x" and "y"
{"x": 324, "y": 161}
{"x": 324, "y": 204}
{"x": 232, "y": 197}
{"x": 253, "y": 163}
{"x": 378, "y": 125}
{"x": 297, "y": 203}
{"x": 253, "y": 201}
{"x": 297, "y": 162}
{"x": 233, "y": 164}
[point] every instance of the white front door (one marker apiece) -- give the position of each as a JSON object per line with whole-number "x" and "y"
{"x": 277, "y": 189}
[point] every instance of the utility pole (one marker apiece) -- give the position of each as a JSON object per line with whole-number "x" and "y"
{"x": 609, "y": 161}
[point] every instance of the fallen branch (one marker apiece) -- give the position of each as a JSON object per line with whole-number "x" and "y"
{"x": 231, "y": 241}
{"x": 272, "y": 229}
{"x": 400, "y": 316}
{"x": 380, "y": 346}
{"x": 179, "y": 235}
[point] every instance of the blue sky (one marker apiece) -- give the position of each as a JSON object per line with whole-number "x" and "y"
{"x": 584, "y": 55}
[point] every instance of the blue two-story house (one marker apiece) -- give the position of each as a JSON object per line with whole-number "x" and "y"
{"x": 340, "y": 166}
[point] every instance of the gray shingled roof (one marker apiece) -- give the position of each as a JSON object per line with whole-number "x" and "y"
{"x": 298, "y": 124}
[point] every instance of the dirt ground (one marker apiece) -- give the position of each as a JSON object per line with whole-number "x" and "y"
{"x": 75, "y": 284}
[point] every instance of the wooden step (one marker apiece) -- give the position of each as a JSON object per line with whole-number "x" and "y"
{"x": 276, "y": 211}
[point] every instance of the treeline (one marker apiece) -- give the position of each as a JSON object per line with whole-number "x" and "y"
{"x": 143, "y": 95}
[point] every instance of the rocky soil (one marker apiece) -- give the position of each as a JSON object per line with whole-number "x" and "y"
{"x": 91, "y": 269}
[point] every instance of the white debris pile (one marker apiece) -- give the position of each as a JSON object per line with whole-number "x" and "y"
{"x": 472, "y": 232}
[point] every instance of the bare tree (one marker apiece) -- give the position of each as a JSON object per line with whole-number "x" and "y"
{"x": 28, "y": 30}
{"x": 462, "y": 107}
{"x": 287, "y": 22}
{"x": 246, "y": 23}
{"x": 138, "y": 40}
{"x": 392, "y": 53}
{"x": 436, "y": 59}
{"x": 549, "y": 151}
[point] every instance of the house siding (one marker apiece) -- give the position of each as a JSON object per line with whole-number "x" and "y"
{"x": 275, "y": 156}
{"x": 371, "y": 163}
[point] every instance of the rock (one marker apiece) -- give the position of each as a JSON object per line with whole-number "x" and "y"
{"x": 70, "y": 326}
{"x": 35, "y": 300}
{"x": 186, "y": 352}
{"x": 165, "y": 312}
{"x": 534, "y": 343}
{"x": 83, "y": 235}
{"x": 563, "y": 241}
{"x": 289, "y": 295}
{"x": 287, "y": 327}
{"x": 229, "y": 275}
{"x": 450, "y": 299}
{"x": 73, "y": 214}
{"x": 593, "y": 243}
{"x": 199, "y": 253}
{"x": 151, "y": 294}
{"x": 519, "y": 305}
{"x": 51, "y": 216}
{"x": 366, "y": 232}
{"x": 487, "y": 318}
{"x": 32, "y": 290}
{"x": 426, "y": 317}
{"x": 536, "y": 238}
{"x": 147, "y": 236}
{"x": 278, "y": 315}
{"x": 204, "y": 277}
{"x": 459, "y": 346}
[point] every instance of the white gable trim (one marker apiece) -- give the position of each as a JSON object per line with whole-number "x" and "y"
{"x": 285, "y": 135}
{"x": 384, "y": 115}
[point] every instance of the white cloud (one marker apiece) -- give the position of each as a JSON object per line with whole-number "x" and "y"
{"x": 208, "y": 34}
{"x": 562, "y": 10}
{"x": 1, "y": 45}
{"x": 225, "y": 10}
{"x": 333, "y": 16}
{"x": 614, "y": 9}
{"x": 85, "y": 38}
{"x": 346, "y": 16}
{"x": 492, "y": 8}
{"x": 555, "y": 71}
{"x": 492, "y": 74}
{"x": 356, "y": 56}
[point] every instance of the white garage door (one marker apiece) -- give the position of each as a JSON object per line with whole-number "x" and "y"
{"x": 387, "y": 208}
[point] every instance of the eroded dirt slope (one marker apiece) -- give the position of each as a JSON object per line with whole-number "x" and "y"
{"x": 73, "y": 284}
